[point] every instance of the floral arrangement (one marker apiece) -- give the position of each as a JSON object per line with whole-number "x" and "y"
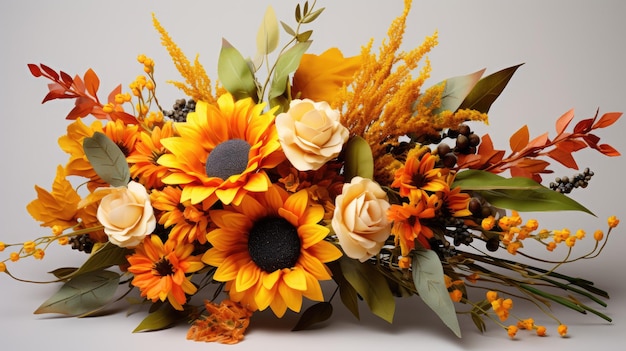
{"x": 249, "y": 193}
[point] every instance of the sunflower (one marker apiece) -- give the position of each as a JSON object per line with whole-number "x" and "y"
{"x": 143, "y": 160}
{"x": 160, "y": 270}
{"x": 222, "y": 151}
{"x": 188, "y": 222}
{"x": 455, "y": 202}
{"x": 270, "y": 250}
{"x": 419, "y": 174}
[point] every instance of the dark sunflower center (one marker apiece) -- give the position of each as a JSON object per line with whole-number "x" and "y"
{"x": 164, "y": 268}
{"x": 228, "y": 158}
{"x": 419, "y": 180}
{"x": 273, "y": 243}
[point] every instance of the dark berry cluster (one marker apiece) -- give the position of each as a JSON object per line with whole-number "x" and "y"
{"x": 82, "y": 243}
{"x": 180, "y": 110}
{"x": 460, "y": 234}
{"x": 466, "y": 142}
{"x": 442, "y": 248}
{"x": 565, "y": 185}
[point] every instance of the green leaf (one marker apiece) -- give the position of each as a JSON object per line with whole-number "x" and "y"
{"x": 288, "y": 29}
{"x": 371, "y": 285}
{"x": 82, "y": 294}
{"x": 286, "y": 64}
{"x": 63, "y": 273}
{"x": 456, "y": 90}
{"x": 348, "y": 295}
{"x": 163, "y": 318}
{"x": 312, "y": 16}
{"x": 359, "y": 159}
{"x": 235, "y": 74}
{"x": 488, "y": 89}
{"x": 516, "y": 193}
{"x": 478, "y": 322}
{"x": 317, "y": 313}
{"x": 267, "y": 37}
{"x": 107, "y": 159}
{"x": 429, "y": 281}
{"x": 108, "y": 255}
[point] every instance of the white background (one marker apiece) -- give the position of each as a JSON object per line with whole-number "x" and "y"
{"x": 574, "y": 58}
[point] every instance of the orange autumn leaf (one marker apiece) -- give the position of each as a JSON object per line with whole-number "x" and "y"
{"x": 519, "y": 139}
{"x": 607, "y": 119}
{"x": 563, "y": 121}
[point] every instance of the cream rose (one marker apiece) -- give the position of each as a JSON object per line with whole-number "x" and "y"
{"x": 360, "y": 218}
{"x": 127, "y": 215}
{"x": 310, "y": 133}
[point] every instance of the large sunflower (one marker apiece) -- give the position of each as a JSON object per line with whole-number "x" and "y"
{"x": 222, "y": 151}
{"x": 270, "y": 250}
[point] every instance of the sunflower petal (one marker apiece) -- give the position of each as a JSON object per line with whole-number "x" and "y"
{"x": 247, "y": 276}
{"x": 311, "y": 234}
{"x": 295, "y": 279}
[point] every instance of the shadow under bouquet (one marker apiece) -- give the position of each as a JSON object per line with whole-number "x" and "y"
{"x": 298, "y": 168}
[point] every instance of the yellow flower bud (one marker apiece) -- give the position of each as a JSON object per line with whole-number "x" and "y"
{"x": 613, "y": 222}
{"x": 598, "y": 235}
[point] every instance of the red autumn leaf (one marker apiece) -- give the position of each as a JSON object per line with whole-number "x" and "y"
{"x": 564, "y": 121}
{"x": 563, "y": 157}
{"x": 83, "y": 108}
{"x": 519, "y": 139}
{"x": 583, "y": 126}
{"x": 608, "y": 150}
{"x": 67, "y": 79}
{"x": 56, "y": 94}
{"x": 92, "y": 83}
{"x": 125, "y": 117}
{"x": 50, "y": 72}
{"x": 592, "y": 140}
{"x": 607, "y": 119}
{"x": 34, "y": 70}
{"x": 572, "y": 145}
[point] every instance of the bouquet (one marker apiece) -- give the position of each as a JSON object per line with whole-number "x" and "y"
{"x": 295, "y": 169}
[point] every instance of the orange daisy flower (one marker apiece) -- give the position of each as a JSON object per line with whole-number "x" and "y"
{"x": 143, "y": 160}
{"x": 222, "y": 151}
{"x": 455, "y": 202}
{"x": 188, "y": 222}
{"x": 160, "y": 270}
{"x": 270, "y": 250}
{"x": 419, "y": 174}
{"x": 407, "y": 226}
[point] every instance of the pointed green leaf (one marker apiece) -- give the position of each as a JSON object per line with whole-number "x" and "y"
{"x": 488, "y": 89}
{"x": 108, "y": 255}
{"x": 163, "y": 318}
{"x": 267, "y": 37}
{"x": 107, "y": 160}
{"x": 348, "y": 295}
{"x": 312, "y": 16}
{"x": 359, "y": 159}
{"x": 82, "y": 294}
{"x": 286, "y": 64}
{"x": 317, "y": 313}
{"x": 429, "y": 281}
{"x": 288, "y": 29}
{"x": 371, "y": 285}
{"x": 235, "y": 74}
{"x": 456, "y": 90}
{"x": 63, "y": 272}
{"x": 516, "y": 193}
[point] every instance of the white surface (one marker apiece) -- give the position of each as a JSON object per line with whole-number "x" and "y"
{"x": 574, "y": 55}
